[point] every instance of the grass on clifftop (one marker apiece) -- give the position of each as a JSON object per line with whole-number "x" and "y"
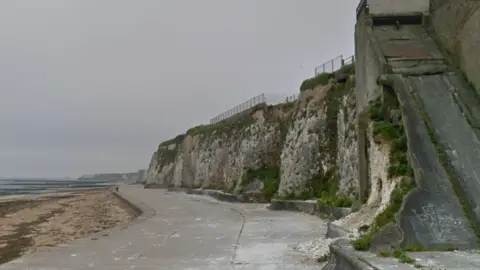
{"x": 177, "y": 140}
{"x": 320, "y": 79}
{"x": 387, "y": 131}
{"x": 324, "y": 78}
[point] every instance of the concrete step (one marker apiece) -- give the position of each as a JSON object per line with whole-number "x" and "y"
{"x": 344, "y": 257}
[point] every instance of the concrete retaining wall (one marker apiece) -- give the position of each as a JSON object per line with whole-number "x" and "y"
{"x": 370, "y": 64}
{"x": 341, "y": 259}
{"x": 141, "y": 210}
{"x": 335, "y": 231}
{"x": 250, "y": 197}
{"x": 309, "y": 207}
{"x": 455, "y": 23}
{"x": 398, "y": 7}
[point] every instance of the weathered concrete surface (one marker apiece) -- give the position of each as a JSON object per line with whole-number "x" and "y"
{"x": 456, "y": 26}
{"x": 432, "y": 215}
{"x": 409, "y": 41}
{"x": 344, "y": 257}
{"x": 189, "y": 232}
{"x": 456, "y": 137}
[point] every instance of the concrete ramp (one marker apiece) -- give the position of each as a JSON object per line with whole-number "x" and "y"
{"x": 456, "y": 137}
{"x": 432, "y": 216}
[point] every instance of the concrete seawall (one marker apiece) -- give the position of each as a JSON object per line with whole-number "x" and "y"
{"x": 308, "y": 207}
{"x": 142, "y": 210}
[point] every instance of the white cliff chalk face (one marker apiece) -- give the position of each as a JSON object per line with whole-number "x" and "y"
{"x": 301, "y": 155}
{"x": 217, "y": 158}
{"x": 303, "y": 140}
{"x": 347, "y": 150}
{"x": 381, "y": 186}
{"x": 306, "y": 151}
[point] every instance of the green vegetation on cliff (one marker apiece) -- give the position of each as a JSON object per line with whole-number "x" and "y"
{"x": 269, "y": 176}
{"x": 389, "y": 130}
{"x": 320, "y": 79}
{"x": 177, "y": 140}
{"x": 325, "y": 77}
{"x": 324, "y": 185}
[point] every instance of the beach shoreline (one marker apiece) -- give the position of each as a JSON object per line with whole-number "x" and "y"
{"x": 32, "y": 222}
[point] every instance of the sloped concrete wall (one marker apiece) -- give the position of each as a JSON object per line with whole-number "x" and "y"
{"x": 456, "y": 25}
{"x": 389, "y": 7}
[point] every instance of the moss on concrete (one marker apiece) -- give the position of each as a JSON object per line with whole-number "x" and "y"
{"x": 401, "y": 255}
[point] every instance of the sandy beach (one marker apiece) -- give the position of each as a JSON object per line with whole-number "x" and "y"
{"x": 29, "y": 223}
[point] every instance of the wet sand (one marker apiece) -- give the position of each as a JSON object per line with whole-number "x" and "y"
{"x": 30, "y": 223}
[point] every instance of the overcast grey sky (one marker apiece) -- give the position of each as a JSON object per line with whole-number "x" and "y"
{"x": 90, "y": 86}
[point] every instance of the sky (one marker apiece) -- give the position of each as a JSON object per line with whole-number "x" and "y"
{"x": 92, "y": 86}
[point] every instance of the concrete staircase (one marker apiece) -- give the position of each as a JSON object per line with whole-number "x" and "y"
{"x": 441, "y": 115}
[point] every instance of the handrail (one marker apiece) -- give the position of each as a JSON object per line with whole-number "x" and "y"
{"x": 334, "y": 64}
{"x": 245, "y": 106}
{"x": 329, "y": 66}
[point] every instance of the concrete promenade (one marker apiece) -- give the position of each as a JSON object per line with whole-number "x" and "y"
{"x": 188, "y": 232}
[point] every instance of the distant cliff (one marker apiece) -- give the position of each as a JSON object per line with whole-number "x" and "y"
{"x": 137, "y": 176}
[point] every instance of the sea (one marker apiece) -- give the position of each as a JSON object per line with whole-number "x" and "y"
{"x": 38, "y": 186}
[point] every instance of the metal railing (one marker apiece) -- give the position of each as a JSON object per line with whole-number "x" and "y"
{"x": 239, "y": 108}
{"x": 334, "y": 64}
{"x": 330, "y": 66}
{"x": 270, "y": 99}
{"x": 291, "y": 98}
{"x": 349, "y": 60}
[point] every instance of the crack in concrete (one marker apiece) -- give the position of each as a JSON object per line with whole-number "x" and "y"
{"x": 237, "y": 242}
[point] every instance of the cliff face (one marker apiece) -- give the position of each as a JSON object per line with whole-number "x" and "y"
{"x": 217, "y": 156}
{"x": 319, "y": 151}
{"x": 303, "y": 149}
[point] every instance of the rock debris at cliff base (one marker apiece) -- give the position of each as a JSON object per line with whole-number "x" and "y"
{"x": 28, "y": 225}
